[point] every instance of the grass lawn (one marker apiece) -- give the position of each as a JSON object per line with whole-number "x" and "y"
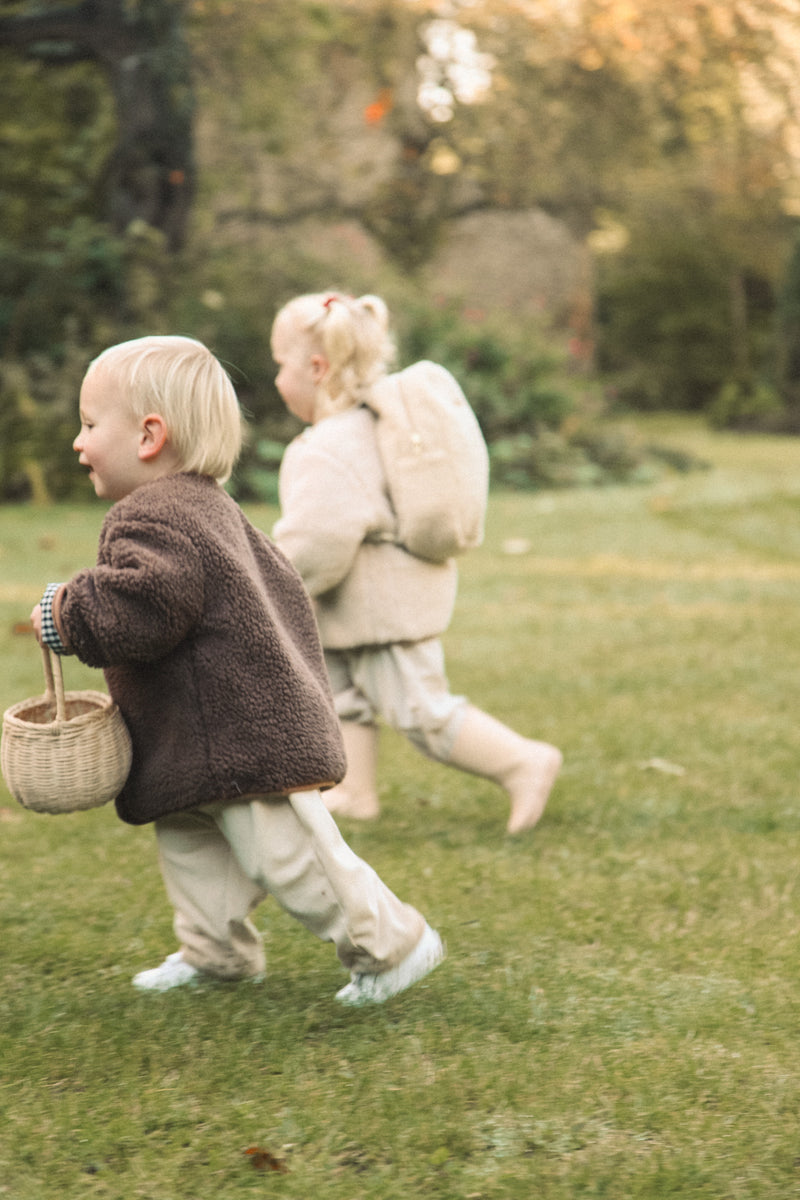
{"x": 618, "y": 1014}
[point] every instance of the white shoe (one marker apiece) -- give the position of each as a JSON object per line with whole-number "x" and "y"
{"x": 174, "y": 971}
{"x": 375, "y": 989}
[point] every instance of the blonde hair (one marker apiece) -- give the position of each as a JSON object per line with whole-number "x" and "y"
{"x": 351, "y": 334}
{"x": 181, "y": 380}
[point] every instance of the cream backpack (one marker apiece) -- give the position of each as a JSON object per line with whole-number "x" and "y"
{"x": 435, "y": 460}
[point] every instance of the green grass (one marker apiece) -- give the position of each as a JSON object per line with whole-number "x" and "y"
{"x": 617, "y": 1016}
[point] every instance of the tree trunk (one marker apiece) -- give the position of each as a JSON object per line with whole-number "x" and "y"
{"x": 740, "y": 350}
{"x": 150, "y": 174}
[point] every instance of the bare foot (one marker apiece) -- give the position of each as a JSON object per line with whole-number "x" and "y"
{"x": 530, "y": 786}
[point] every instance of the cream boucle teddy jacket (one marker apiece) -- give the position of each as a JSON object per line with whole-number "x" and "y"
{"x": 337, "y": 527}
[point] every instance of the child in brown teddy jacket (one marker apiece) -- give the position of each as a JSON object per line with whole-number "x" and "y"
{"x": 209, "y": 645}
{"x": 381, "y": 610}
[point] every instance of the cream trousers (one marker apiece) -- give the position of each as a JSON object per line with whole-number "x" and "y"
{"x": 221, "y": 860}
{"x": 403, "y": 683}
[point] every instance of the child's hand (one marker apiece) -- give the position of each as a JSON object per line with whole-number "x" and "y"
{"x": 36, "y": 622}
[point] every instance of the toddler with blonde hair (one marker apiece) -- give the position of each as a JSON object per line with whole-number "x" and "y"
{"x": 381, "y": 611}
{"x": 209, "y": 646}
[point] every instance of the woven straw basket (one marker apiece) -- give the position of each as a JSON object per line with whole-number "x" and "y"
{"x": 64, "y": 752}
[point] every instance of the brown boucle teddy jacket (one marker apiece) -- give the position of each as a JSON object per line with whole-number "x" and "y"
{"x": 337, "y": 527}
{"x": 209, "y": 646}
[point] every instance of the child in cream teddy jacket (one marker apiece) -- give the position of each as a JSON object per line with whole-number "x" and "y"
{"x": 380, "y": 610}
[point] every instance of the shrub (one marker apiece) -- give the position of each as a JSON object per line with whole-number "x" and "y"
{"x": 514, "y": 374}
{"x": 747, "y": 405}
{"x": 668, "y": 329}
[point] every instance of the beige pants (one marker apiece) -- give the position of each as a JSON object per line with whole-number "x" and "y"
{"x": 221, "y": 860}
{"x": 404, "y": 684}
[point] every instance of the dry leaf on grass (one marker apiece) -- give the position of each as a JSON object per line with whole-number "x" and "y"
{"x": 264, "y": 1160}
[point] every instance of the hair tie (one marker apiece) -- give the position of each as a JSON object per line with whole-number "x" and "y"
{"x": 328, "y": 301}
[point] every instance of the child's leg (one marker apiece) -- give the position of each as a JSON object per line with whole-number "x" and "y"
{"x": 408, "y": 686}
{"x": 211, "y": 895}
{"x": 527, "y": 769}
{"x": 357, "y": 795}
{"x": 293, "y": 850}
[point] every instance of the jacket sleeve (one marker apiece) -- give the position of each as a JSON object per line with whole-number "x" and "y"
{"x": 326, "y": 516}
{"x": 141, "y": 600}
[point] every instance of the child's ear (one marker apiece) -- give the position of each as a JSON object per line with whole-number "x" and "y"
{"x": 319, "y": 367}
{"x": 152, "y": 437}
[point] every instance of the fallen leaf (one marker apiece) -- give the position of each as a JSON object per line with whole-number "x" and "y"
{"x": 264, "y": 1160}
{"x": 517, "y": 545}
{"x": 662, "y": 765}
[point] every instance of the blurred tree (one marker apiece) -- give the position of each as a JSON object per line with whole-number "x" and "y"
{"x": 402, "y": 118}
{"x": 684, "y": 172}
{"x": 628, "y": 116}
{"x": 93, "y": 191}
{"x": 140, "y": 46}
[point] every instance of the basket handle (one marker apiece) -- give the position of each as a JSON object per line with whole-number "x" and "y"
{"x": 55, "y": 682}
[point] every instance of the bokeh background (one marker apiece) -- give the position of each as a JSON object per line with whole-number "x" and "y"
{"x": 584, "y": 208}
